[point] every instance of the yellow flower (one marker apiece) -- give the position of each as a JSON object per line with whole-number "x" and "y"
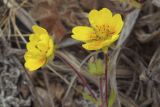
{"x": 40, "y": 49}
{"x": 104, "y": 30}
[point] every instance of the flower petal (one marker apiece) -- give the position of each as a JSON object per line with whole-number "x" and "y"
{"x": 50, "y": 52}
{"x": 38, "y": 30}
{"x": 33, "y": 54}
{"x": 34, "y": 64}
{"x": 100, "y": 17}
{"x": 109, "y": 41}
{"x": 34, "y": 60}
{"x": 117, "y": 23}
{"x": 31, "y": 46}
{"x": 41, "y": 43}
{"x": 33, "y": 37}
{"x": 94, "y": 45}
{"x": 83, "y": 33}
{"x": 44, "y": 37}
{"x": 42, "y": 46}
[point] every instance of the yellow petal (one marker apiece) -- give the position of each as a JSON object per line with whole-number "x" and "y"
{"x": 33, "y": 54}
{"x": 100, "y": 17}
{"x": 34, "y": 64}
{"x": 33, "y": 37}
{"x": 94, "y": 45}
{"x": 42, "y": 46}
{"x": 37, "y": 47}
{"x": 83, "y": 33}
{"x": 34, "y": 60}
{"x": 44, "y": 37}
{"x": 50, "y": 52}
{"x": 117, "y": 23}
{"x": 38, "y": 30}
{"x": 31, "y": 45}
{"x": 108, "y": 42}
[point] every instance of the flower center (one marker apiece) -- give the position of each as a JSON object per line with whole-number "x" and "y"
{"x": 103, "y": 31}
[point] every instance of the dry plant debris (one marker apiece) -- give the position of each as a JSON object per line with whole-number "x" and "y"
{"x": 134, "y": 61}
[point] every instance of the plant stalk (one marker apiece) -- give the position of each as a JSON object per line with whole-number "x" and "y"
{"x": 106, "y": 79}
{"x": 84, "y": 82}
{"x": 101, "y": 91}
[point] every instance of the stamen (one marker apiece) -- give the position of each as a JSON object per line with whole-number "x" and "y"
{"x": 103, "y": 31}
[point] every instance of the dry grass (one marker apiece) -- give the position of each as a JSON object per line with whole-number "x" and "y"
{"x": 134, "y": 61}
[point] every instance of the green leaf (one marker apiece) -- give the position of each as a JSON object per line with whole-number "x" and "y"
{"x": 96, "y": 68}
{"x": 86, "y": 96}
{"x": 112, "y": 98}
